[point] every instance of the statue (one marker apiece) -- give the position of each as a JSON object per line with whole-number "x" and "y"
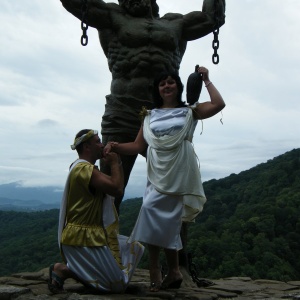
{"x": 139, "y": 44}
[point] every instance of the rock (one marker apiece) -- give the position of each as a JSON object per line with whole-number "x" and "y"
{"x": 33, "y": 286}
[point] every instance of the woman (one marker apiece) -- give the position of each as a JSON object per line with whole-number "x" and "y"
{"x": 174, "y": 191}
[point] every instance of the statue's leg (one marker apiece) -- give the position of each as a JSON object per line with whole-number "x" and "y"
{"x": 183, "y": 258}
{"x": 127, "y": 162}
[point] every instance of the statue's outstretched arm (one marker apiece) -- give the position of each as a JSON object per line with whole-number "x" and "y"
{"x": 215, "y": 9}
{"x": 98, "y": 14}
{"x": 197, "y": 24}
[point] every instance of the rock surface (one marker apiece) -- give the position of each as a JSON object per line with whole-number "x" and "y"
{"x": 34, "y": 286}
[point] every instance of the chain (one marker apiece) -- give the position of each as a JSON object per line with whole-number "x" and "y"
{"x": 216, "y": 43}
{"x": 84, "y": 25}
{"x": 193, "y": 269}
{"x": 215, "y": 46}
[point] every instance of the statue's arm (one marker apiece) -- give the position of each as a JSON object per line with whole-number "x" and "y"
{"x": 197, "y": 24}
{"x": 98, "y": 15}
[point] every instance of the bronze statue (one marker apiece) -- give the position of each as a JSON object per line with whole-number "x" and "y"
{"x": 138, "y": 45}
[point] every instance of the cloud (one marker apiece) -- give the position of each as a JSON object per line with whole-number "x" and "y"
{"x": 52, "y": 87}
{"x": 47, "y": 123}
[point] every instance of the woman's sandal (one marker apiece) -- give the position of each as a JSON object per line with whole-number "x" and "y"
{"x": 155, "y": 286}
{"x": 57, "y": 288}
{"x": 172, "y": 285}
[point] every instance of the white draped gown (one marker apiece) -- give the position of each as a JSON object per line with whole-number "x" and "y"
{"x": 174, "y": 191}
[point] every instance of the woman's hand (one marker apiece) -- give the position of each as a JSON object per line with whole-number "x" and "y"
{"x": 109, "y": 148}
{"x": 106, "y": 150}
{"x": 209, "y": 108}
{"x": 204, "y": 72}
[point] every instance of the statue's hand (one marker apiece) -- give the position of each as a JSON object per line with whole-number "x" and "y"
{"x": 218, "y": 13}
{"x": 221, "y": 7}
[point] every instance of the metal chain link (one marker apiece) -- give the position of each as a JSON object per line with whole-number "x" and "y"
{"x": 215, "y": 46}
{"x": 216, "y": 43}
{"x": 193, "y": 269}
{"x": 84, "y": 26}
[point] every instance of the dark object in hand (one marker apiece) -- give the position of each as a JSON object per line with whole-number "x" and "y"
{"x": 194, "y": 86}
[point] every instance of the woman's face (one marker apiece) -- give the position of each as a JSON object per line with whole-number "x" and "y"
{"x": 168, "y": 88}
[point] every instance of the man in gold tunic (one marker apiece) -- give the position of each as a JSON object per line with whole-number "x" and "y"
{"x": 93, "y": 251}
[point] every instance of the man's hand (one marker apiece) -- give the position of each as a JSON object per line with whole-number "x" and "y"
{"x": 111, "y": 158}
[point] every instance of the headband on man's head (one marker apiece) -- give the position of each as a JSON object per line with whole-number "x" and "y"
{"x": 83, "y": 138}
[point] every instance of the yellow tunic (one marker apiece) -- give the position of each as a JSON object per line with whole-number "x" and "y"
{"x": 84, "y": 214}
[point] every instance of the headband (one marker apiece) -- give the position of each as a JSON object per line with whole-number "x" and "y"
{"x": 83, "y": 138}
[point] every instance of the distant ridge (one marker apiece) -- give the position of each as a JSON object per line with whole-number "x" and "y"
{"x": 249, "y": 227}
{"x": 13, "y": 196}
{"x": 8, "y": 204}
{"x": 34, "y": 195}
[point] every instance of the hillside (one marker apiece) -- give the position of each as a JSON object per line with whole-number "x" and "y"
{"x": 28, "y": 240}
{"x": 250, "y": 226}
{"x": 10, "y": 204}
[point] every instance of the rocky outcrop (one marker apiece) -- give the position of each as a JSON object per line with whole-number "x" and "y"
{"x": 34, "y": 286}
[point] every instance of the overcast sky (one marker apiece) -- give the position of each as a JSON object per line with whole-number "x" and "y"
{"x": 51, "y": 87}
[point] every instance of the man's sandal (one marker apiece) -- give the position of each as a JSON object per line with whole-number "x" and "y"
{"x": 58, "y": 287}
{"x": 155, "y": 286}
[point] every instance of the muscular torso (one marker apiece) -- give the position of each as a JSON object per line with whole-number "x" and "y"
{"x": 137, "y": 49}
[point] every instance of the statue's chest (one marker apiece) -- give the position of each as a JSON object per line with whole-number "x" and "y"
{"x": 152, "y": 32}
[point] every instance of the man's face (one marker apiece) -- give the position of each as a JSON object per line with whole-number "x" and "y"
{"x": 137, "y": 8}
{"x": 96, "y": 146}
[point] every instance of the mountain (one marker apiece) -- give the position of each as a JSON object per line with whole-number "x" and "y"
{"x": 47, "y": 195}
{"x": 250, "y": 226}
{"x": 25, "y": 205}
{"x": 15, "y": 197}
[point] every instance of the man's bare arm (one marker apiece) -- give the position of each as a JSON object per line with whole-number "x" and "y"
{"x": 98, "y": 14}
{"x": 113, "y": 184}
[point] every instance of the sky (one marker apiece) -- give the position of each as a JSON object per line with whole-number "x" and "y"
{"x": 51, "y": 87}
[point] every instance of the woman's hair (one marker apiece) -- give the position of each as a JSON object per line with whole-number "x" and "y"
{"x": 157, "y": 100}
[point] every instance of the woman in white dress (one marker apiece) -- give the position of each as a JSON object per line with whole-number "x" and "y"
{"x": 174, "y": 191}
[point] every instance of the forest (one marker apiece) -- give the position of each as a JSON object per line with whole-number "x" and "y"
{"x": 250, "y": 226}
